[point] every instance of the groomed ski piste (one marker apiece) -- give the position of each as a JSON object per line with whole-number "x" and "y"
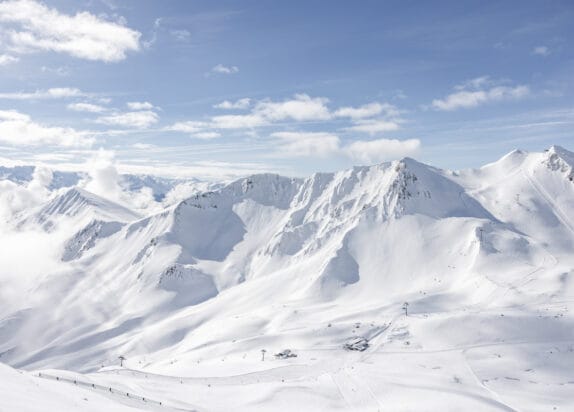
{"x": 393, "y": 287}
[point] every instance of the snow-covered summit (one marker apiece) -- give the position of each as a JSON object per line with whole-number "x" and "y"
{"x": 559, "y": 159}
{"x": 81, "y": 206}
{"x": 274, "y": 262}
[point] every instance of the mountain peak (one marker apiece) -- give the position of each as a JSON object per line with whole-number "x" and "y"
{"x": 77, "y": 202}
{"x": 563, "y": 153}
{"x": 559, "y": 159}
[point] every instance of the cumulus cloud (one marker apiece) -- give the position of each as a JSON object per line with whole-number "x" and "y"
{"x": 139, "y": 120}
{"x": 19, "y": 129}
{"x": 180, "y": 192}
{"x": 467, "y": 99}
{"x": 41, "y": 179}
{"x": 479, "y": 91}
{"x": 140, "y": 106}
{"x": 301, "y": 107}
{"x": 238, "y": 104}
{"x": 6, "y": 59}
{"x": 52, "y": 93}
{"x": 321, "y": 144}
{"x": 105, "y": 180}
{"x": 375, "y": 151}
{"x": 31, "y": 26}
{"x": 221, "y": 69}
{"x": 370, "y": 118}
{"x": 86, "y": 107}
{"x": 367, "y": 110}
{"x": 316, "y": 144}
{"x": 188, "y": 127}
{"x": 13, "y": 115}
{"x": 16, "y": 198}
{"x": 103, "y": 176}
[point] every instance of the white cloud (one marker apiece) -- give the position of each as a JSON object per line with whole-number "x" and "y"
{"x": 301, "y": 108}
{"x": 246, "y": 121}
{"x": 140, "y": 106}
{"x": 362, "y": 117}
{"x": 53, "y": 93}
{"x": 6, "y": 59}
{"x": 13, "y": 115}
{"x": 238, "y": 104}
{"x": 18, "y": 129}
{"x": 373, "y": 126}
{"x": 367, "y": 110}
{"x": 475, "y": 93}
{"x": 376, "y": 151}
{"x": 221, "y": 69}
{"x": 153, "y": 38}
{"x": 139, "y": 120}
{"x": 476, "y": 83}
{"x": 317, "y": 144}
{"x": 15, "y": 198}
{"x": 206, "y": 135}
{"x": 36, "y": 27}
{"x": 103, "y": 175}
{"x": 86, "y": 107}
{"x": 541, "y": 51}
{"x": 188, "y": 127}
{"x": 322, "y": 144}
{"x": 105, "y": 180}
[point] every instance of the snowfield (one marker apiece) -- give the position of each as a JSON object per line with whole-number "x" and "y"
{"x": 198, "y": 295}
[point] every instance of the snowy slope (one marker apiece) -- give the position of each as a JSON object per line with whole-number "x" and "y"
{"x": 78, "y": 204}
{"x": 483, "y": 257}
{"x": 23, "y": 392}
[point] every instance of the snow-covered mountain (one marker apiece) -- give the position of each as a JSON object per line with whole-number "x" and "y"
{"x": 78, "y": 205}
{"x": 483, "y": 258}
{"x": 159, "y": 186}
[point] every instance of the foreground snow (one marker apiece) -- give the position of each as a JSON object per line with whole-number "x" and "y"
{"x": 191, "y": 295}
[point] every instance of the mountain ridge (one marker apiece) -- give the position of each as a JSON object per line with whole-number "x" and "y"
{"x": 276, "y": 262}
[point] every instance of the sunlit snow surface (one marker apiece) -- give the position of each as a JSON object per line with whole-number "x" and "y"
{"x": 191, "y": 293}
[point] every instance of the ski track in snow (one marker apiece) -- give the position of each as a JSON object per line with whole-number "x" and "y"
{"x": 495, "y": 397}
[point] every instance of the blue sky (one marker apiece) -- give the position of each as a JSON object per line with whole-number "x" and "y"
{"x": 221, "y": 88}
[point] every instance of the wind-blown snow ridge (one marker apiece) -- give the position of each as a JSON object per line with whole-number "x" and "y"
{"x": 79, "y": 204}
